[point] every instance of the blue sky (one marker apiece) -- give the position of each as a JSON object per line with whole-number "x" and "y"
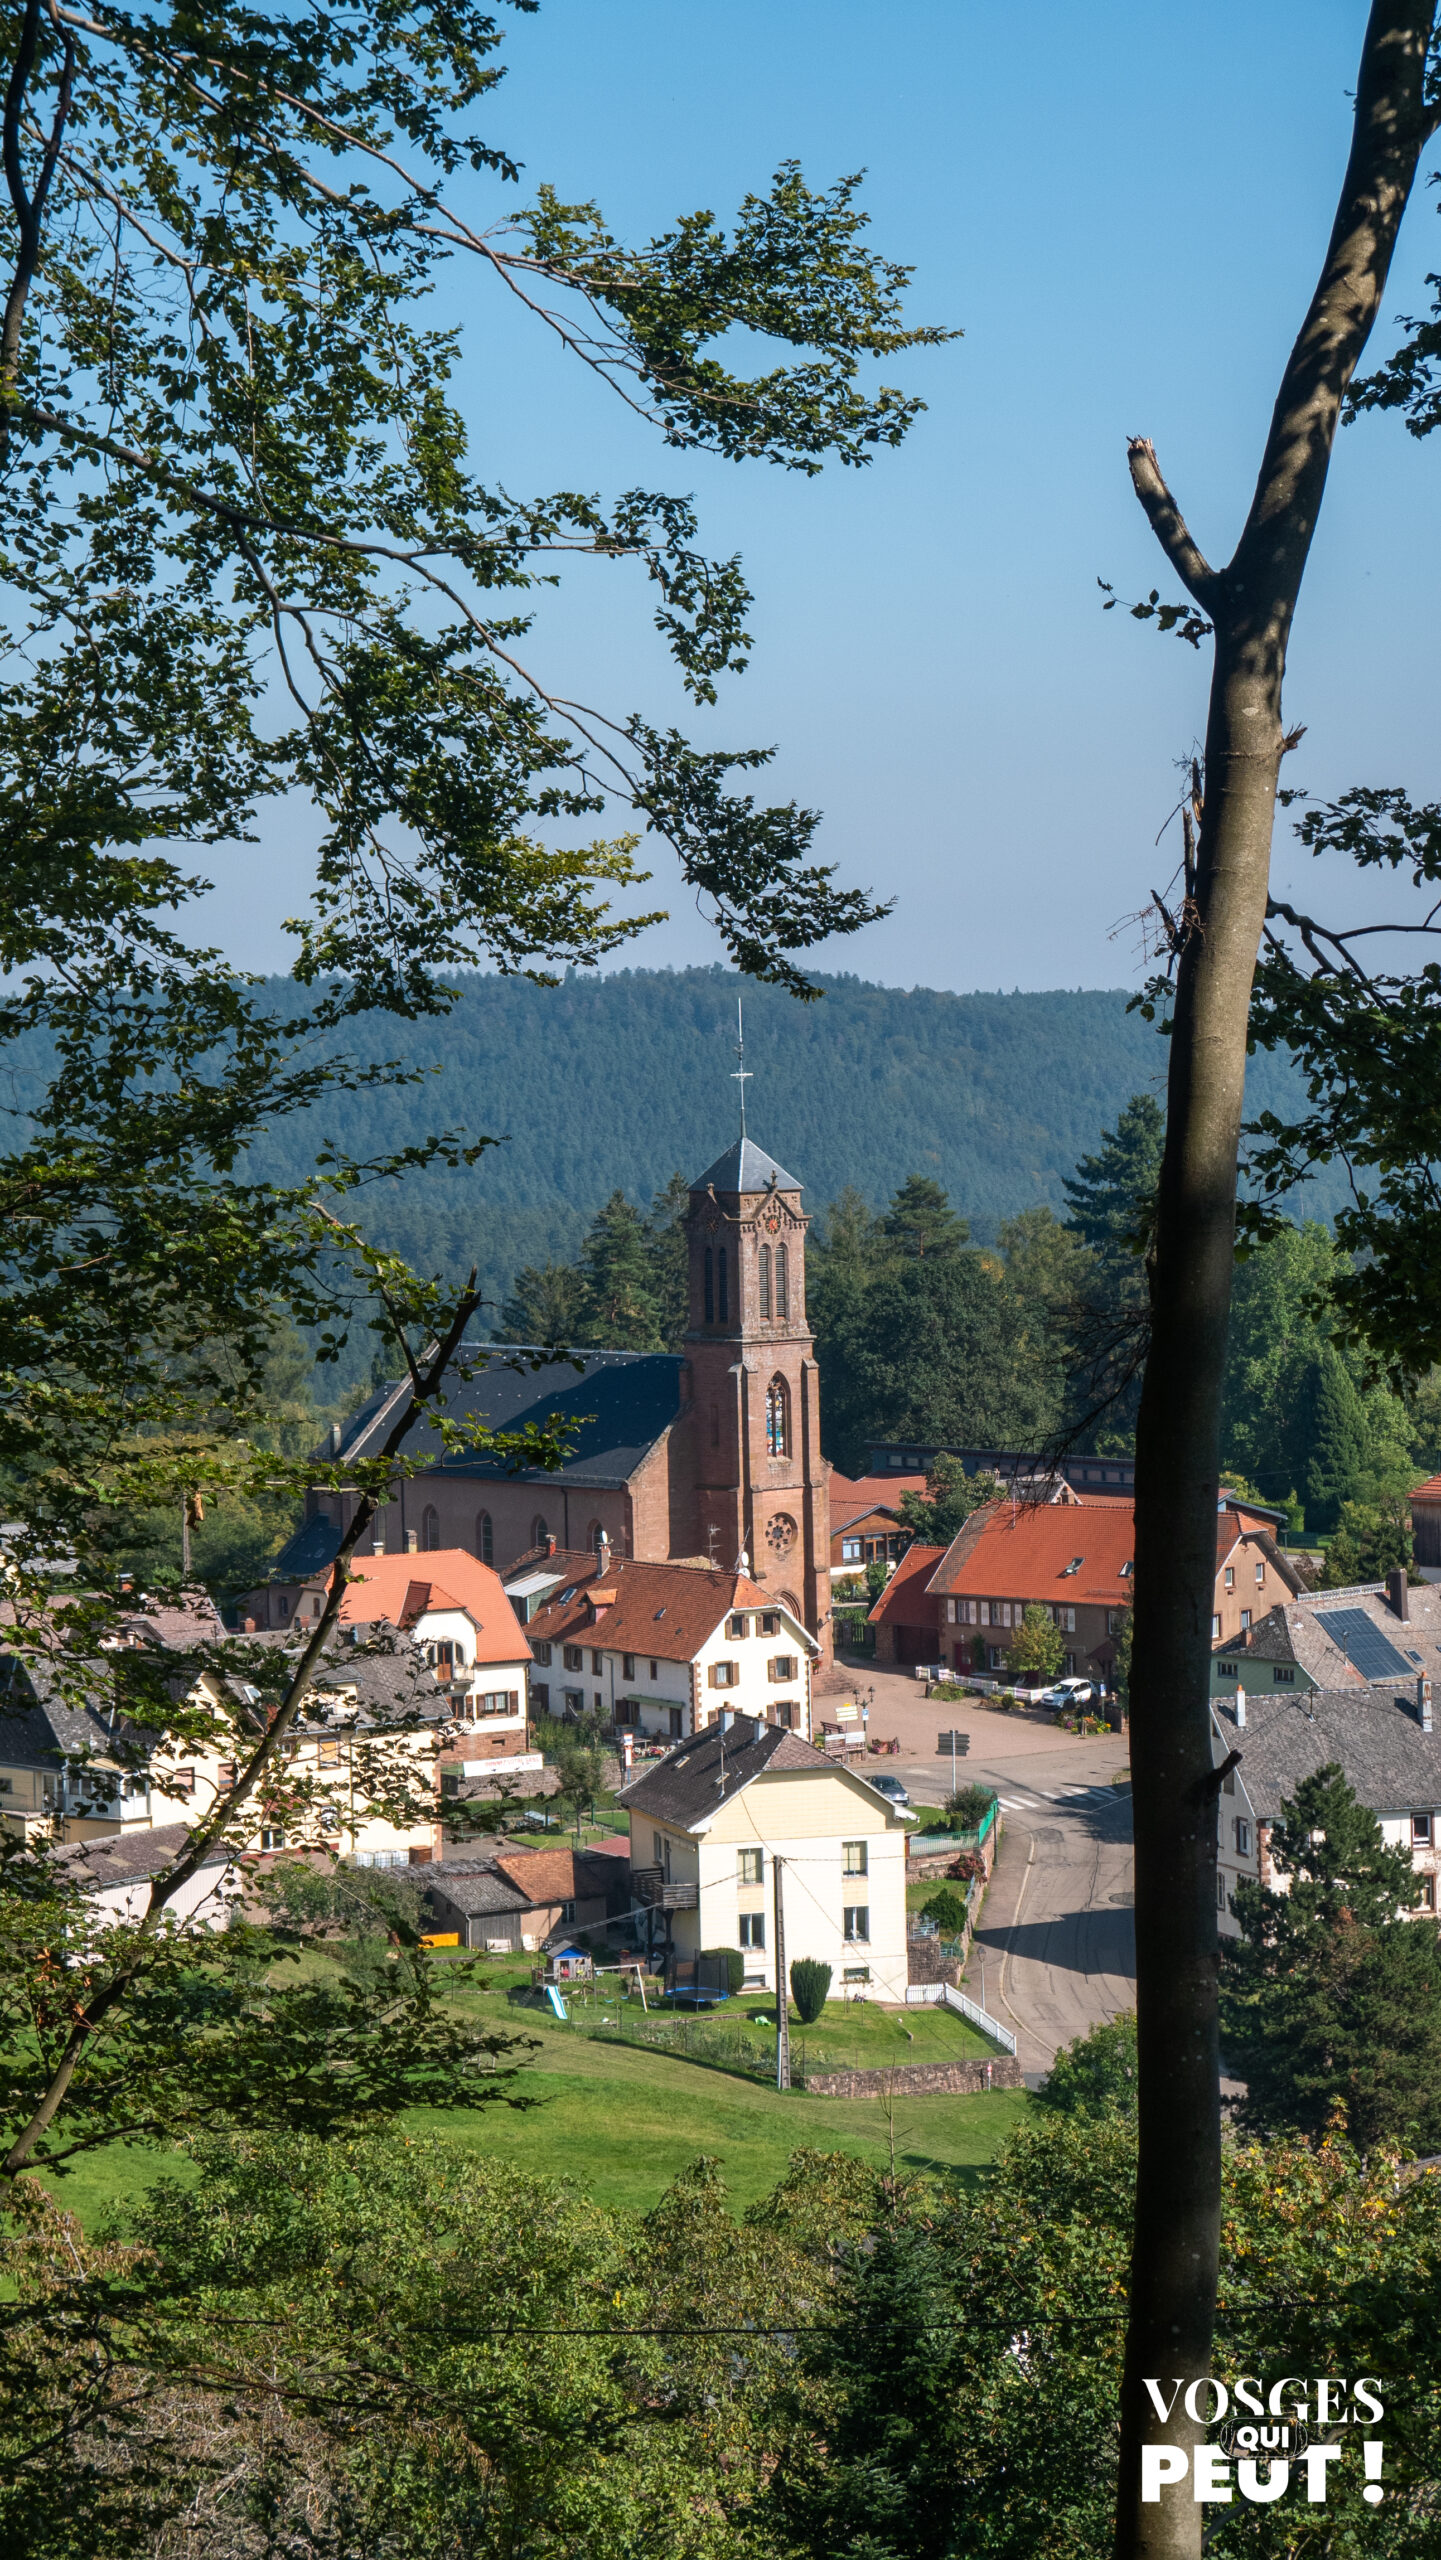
{"x": 1124, "y": 211}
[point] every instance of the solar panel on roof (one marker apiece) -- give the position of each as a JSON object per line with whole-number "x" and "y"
{"x": 1375, "y": 1656}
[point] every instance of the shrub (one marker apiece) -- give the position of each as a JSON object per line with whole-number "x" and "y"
{"x": 733, "y": 1961}
{"x": 969, "y": 1806}
{"x": 810, "y": 1987}
{"x": 1096, "y": 2076}
{"x": 947, "y": 1910}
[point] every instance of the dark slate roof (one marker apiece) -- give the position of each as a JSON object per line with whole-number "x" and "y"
{"x": 130, "y": 1855}
{"x": 686, "y": 1786}
{"x": 1374, "y": 1735}
{"x": 1296, "y": 1631}
{"x": 474, "y": 1891}
{"x": 38, "y": 1729}
{"x": 309, "y": 1552}
{"x": 622, "y": 1402}
{"x": 745, "y": 1167}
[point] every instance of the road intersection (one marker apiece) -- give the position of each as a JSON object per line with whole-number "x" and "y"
{"x": 1055, "y": 1952}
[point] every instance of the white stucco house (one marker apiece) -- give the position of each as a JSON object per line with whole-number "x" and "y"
{"x": 662, "y": 1650}
{"x": 1382, "y": 1739}
{"x": 708, "y": 1824}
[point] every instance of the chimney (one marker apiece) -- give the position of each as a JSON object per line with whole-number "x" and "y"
{"x": 550, "y": 1542}
{"x": 412, "y": 1542}
{"x": 1240, "y": 1710}
{"x": 1423, "y": 1704}
{"x": 602, "y": 1552}
{"x": 377, "y": 1544}
{"x": 1396, "y": 1591}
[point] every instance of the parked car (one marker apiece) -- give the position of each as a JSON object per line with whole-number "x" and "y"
{"x": 1072, "y": 1693}
{"x": 890, "y": 1788}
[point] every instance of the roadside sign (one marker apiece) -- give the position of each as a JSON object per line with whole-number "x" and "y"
{"x": 952, "y": 1742}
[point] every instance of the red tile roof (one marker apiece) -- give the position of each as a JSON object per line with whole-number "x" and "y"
{"x": 404, "y": 1588}
{"x": 1023, "y": 1552}
{"x": 664, "y": 1609}
{"x": 870, "y": 1491}
{"x": 1430, "y": 1491}
{"x": 906, "y": 1599}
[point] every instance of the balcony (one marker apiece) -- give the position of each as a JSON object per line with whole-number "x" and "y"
{"x": 653, "y": 1889}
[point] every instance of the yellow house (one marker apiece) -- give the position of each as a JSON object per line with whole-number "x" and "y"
{"x": 713, "y": 1822}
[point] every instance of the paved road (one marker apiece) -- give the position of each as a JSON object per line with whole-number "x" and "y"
{"x": 1055, "y": 1954}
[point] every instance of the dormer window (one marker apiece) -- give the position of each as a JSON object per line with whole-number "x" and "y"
{"x": 1128, "y": 1568}
{"x": 1073, "y": 1567}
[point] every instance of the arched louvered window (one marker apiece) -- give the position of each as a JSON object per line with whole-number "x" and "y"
{"x": 766, "y": 1279}
{"x": 725, "y": 1295}
{"x": 430, "y": 1528}
{"x": 595, "y": 1536}
{"x": 778, "y": 1419}
{"x": 783, "y": 1282}
{"x": 485, "y": 1538}
{"x": 709, "y": 1286}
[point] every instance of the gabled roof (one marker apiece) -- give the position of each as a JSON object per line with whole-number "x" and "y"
{"x": 1374, "y": 1735}
{"x": 1237, "y": 1529}
{"x": 871, "y": 1492}
{"x": 1025, "y": 1551}
{"x": 407, "y": 1588}
{"x": 700, "y": 1775}
{"x": 619, "y": 1403}
{"x": 669, "y": 1610}
{"x": 907, "y": 1599}
{"x": 475, "y": 1890}
{"x": 1297, "y": 1631}
{"x": 1430, "y": 1491}
{"x": 127, "y": 1857}
{"x": 745, "y": 1167}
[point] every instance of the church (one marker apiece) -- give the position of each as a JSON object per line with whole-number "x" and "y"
{"x": 708, "y": 1455}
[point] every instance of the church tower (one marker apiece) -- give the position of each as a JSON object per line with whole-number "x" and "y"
{"x": 761, "y": 1485}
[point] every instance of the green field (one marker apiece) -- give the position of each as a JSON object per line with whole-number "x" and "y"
{"x": 623, "y": 2122}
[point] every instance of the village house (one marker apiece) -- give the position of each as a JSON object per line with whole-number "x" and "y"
{"x": 1381, "y": 1736}
{"x": 865, "y": 1522}
{"x": 709, "y": 1822}
{"x": 1344, "y": 1639}
{"x": 658, "y": 1650}
{"x": 1075, "y": 1559}
{"x": 72, "y": 1764}
{"x": 522, "y": 1898}
{"x": 707, "y": 1454}
{"x": 115, "y": 1875}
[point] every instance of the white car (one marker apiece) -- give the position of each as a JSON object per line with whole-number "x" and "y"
{"x": 1072, "y": 1693}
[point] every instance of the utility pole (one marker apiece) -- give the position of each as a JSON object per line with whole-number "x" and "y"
{"x": 783, "y": 2006}
{"x": 185, "y": 1537}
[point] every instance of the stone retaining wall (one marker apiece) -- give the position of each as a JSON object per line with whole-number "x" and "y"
{"x": 918, "y": 2079}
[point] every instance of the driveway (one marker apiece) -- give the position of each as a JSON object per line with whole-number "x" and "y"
{"x": 1055, "y": 1953}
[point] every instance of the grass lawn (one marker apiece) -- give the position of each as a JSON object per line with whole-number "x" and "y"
{"x": 622, "y": 2122}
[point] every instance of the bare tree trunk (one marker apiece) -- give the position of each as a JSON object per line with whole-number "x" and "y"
{"x": 1251, "y": 604}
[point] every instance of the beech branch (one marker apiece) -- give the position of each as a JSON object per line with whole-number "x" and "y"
{"x": 1169, "y": 525}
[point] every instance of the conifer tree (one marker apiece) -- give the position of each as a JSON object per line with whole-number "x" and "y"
{"x": 618, "y": 1280}
{"x": 921, "y": 1221}
{"x": 546, "y": 1304}
{"x": 1112, "y": 1194}
{"x": 1332, "y": 1997}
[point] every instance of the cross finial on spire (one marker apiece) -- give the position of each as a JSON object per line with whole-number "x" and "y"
{"x": 743, "y": 1074}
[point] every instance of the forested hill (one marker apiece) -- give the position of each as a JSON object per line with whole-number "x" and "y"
{"x": 614, "y": 1083}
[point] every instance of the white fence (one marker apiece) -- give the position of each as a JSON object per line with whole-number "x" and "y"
{"x": 945, "y": 1994}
